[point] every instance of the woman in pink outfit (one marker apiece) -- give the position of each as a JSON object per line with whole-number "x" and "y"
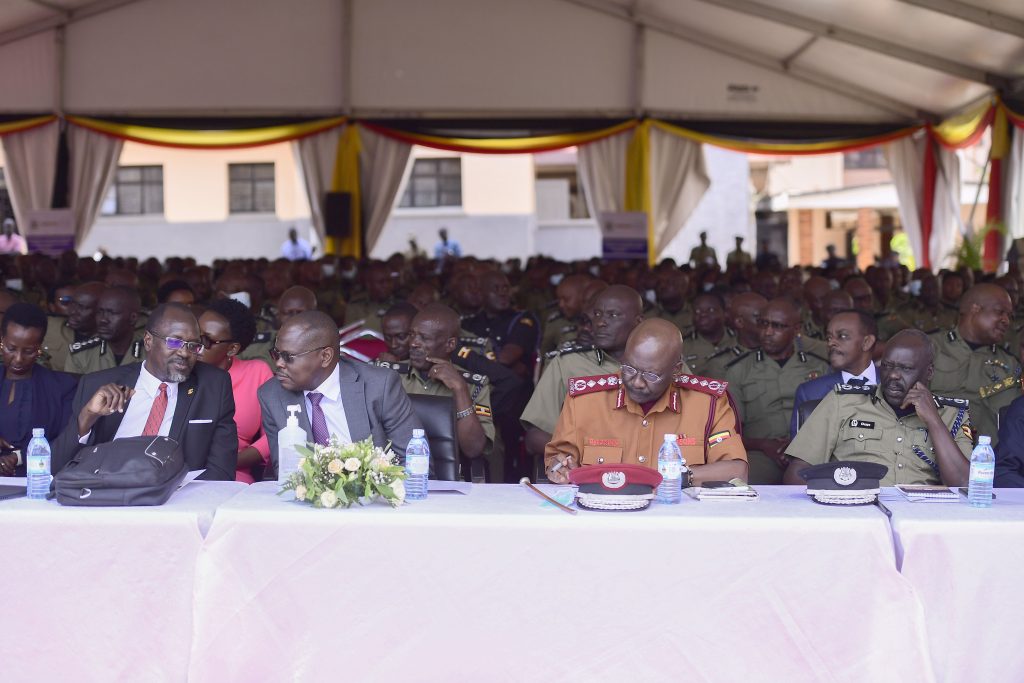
{"x": 227, "y": 327}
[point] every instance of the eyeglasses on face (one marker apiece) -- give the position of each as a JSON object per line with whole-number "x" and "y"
{"x": 28, "y": 353}
{"x": 289, "y": 357}
{"x": 629, "y": 372}
{"x": 175, "y": 344}
{"x": 210, "y": 343}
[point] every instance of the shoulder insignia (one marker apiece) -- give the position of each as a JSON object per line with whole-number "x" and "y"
{"x": 75, "y": 347}
{"x": 737, "y": 359}
{"x": 759, "y": 354}
{"x": 137, "y": 349}
{"x": 473, "y": 377}
{"x": 952, "y": 402}
{"x": 588, "y": 385}
{"x": 720, "y": 352}
{"x": 951, "y": 335}
{"x": 708, "y": 385}
{"x": 1001, "y": 385}
{"x": 262, "y": 338}
{"x": 399, "y": 367}
{"x": 463, "y": 352}
{"x": 526, "y": 320}
{"x": 473, "y": 341}
{"x": 855, "y": 389}
{"x": 569, "y": 347}
{"x": 554, "y": 315}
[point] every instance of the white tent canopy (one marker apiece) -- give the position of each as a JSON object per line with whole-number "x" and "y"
{"x": 881, "y": 61}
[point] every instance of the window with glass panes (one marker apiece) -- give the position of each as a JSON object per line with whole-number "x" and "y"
{"x": 251, "y": 188}
{"x": 434, "y": 182}
{"x": 136, "y": 190}
{"x": 6, "y": 208}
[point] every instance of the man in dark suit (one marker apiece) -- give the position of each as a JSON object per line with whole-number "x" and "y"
{"x": 338, "y": 397}
{"x": 168, "y": 394}
{"x": 851, "y": 336}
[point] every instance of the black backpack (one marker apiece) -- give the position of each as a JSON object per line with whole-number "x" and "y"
{"x": 141, "y": 470}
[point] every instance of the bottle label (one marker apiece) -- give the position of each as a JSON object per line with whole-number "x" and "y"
{"x": 670, "y": 470}
{"x": 983, "y": 470}
{"x": 37, "y": 465}
{"x": 417, "y": 464}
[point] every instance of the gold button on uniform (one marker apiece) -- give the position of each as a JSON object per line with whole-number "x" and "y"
{"x": 644, "y": 423}
{"x": 642, "y": 458}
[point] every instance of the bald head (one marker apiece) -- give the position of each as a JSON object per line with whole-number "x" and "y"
{"x": 654, "y": 350}
{"x": 815, "y": 290}
{"x": 447, "y": 320}
{"x": 314, "y": 327}
{"x": 570, "y": 293}
{"x": 744, "y": 311}
{"x": 985, "y": 312}
{"x": 293, "y": 301}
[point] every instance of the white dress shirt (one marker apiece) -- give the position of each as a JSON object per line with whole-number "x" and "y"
{"x": 334, "y": 411}
{"x": 137, "y": 413}
{"x": 869, "y": 374}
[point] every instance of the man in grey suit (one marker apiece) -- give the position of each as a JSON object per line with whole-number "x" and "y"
{"x": 337, "y": 396}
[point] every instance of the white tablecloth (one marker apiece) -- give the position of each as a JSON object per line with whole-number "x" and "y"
{"x": 496, "y": 587}
{"x": 966, "y": 566}
{"x": 101, "y": 594}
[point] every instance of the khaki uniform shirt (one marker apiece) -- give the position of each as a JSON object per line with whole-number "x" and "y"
{"x": 549, "y": 395}
{"x": 738, "y": 257}
{"x": 683, "y": 318}
{"x": 698, "y": 351}
{"x": 716, "y": 364}
{"x": 369, "y": 311}
{"x": 925, "y": 319}
{"x": 601, "y": 424}
{"x": 856, "y": 423}
{"x": 989, "y": 377}
{"x": 95, "y": 354}
{"x": 56, "y": 342}
{"x": 557, "y": 331}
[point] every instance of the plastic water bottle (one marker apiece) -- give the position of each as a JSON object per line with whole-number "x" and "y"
{"x": 417, "y": 466}
{"x": 287, "y": 439}
{"x": 983, "y": 470}
{"x": 37, "y": 465}
{"x": 670, "y": 465}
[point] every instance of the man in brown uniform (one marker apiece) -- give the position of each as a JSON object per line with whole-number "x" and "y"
{"x": 622, "y": 418}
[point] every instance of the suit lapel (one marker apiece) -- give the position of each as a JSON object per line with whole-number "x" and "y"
{"x": 186, "y": 392}
{"x": 353, "y": 400}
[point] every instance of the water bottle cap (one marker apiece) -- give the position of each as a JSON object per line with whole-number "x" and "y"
{"x": 38, "y": 431}
{"x": 670, "y": 437}
{"x": 984, "y": 440}
{"x": 417, "y": 433}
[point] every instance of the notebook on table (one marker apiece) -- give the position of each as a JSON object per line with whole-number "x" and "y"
{"x": 7, "y": 492}
{"x": 927, "y": 493}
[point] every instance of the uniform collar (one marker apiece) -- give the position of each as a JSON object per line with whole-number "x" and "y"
{"x": 667, "y": 401}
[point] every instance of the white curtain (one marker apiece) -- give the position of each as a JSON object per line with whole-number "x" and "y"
{"x": 905, "y": 158}
{"x": 31, "y": 169}
{"x": 1013, "y": 202}
{"x": 679, "y": 179}
{"x": 602, "y": 171}
{"x": 93, "y": 162}
{"x": 383, "y": 164}
{"x": 315, "y": 156}
{"x": 946, "y": 218}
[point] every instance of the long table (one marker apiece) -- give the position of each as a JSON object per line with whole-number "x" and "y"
{"x": 101, "y": 594}
{"x": 966, "y": 566}
{"x": 498, "y": 586}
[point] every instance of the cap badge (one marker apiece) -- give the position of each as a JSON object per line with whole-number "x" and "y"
{"x": 845, "y": 476}
{"x": 613, "y": 480}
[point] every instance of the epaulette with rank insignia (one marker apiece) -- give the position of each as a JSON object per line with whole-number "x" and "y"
{"x": 397, "y": 366}
{"x": 75, "y": 347}
{"x": 473, "y": 341}
{"x": 952, "y": 402}
{"x": 473, "y": 377}
{"x": 865, "y": 389}
{"x": 579, "y": 386}
{"x": 569, "y": 347}
{"x": 708, "y": 385}
{"x": 262, "y": 337}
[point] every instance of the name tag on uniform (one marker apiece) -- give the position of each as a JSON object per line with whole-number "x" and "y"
{"x": 604, "y": 442}
{"x": 866, "y": 424}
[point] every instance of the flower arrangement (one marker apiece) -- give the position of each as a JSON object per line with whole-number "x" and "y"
{"x": 338, "y": 475}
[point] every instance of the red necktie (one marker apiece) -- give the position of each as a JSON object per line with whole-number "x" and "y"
{"x": 156, "y": 413}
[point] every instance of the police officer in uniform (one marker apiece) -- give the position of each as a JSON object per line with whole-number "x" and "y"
{"x": 970, "y": 362}
{"x": 764, "y": 382}
{"x": 430, "y": 372}
{"x": 514, "y": 333}
{"x": 379, "y": 296}
{"x": 622, "y": 418}
{"x": 615, "y": 312}
{"x": 117, "y": 342}
{"x": 672, "y": 290}
{"x": 293, "y": 301}
{"x": 562, "y": 325}
{"x": 709, "y": 337}
{"x": 742, "y": 316}
{"x": 921, "y": 438}
{"x": 79, "y": 326}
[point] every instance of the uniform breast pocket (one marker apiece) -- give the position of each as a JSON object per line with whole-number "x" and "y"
{"x": 601, "y": 455}
{"x": 860, "y": 440}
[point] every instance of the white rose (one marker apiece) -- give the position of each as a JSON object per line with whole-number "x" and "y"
{"x": 352, "y": 464}
{"x": 334, "y": 466}
{"x": 300, "y": 493}
{"x": 328, "y": 499}
{"x": 399, "y": 488}
{"x": 302, "y": 461}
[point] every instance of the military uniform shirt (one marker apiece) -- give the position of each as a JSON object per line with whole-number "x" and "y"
{"x": 856, "y": 423}
{"x": 260, "y": 347}
{"x": 95, "y": 354}
{"x": 578, "y": 361}
{"x": 698, "y": 351}
{"x": 368, "y": 311}
{"x": 989, "y": 377}
{"x": 59, "y": 337}
{"x": 683, "y": 318}
{"x": 601, "y": 424}
{"x": 557, "y": 330}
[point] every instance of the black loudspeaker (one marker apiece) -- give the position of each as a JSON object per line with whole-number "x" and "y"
{"x": 338, "y": 214}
